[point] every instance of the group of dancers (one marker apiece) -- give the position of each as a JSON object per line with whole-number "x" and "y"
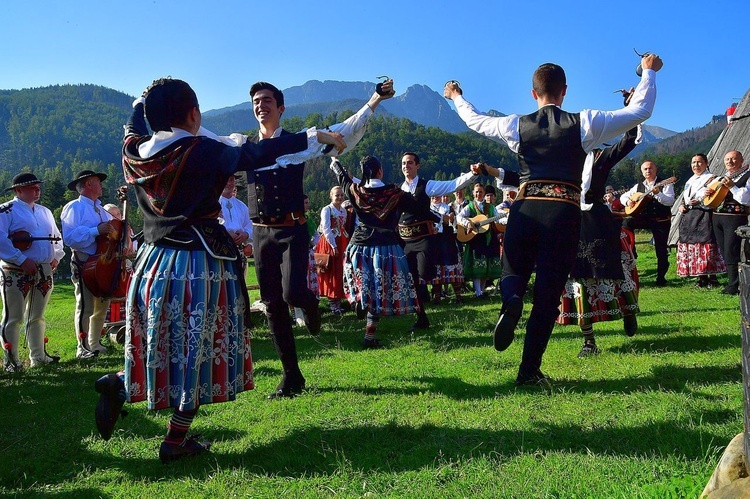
{"x": 187, "y": 306}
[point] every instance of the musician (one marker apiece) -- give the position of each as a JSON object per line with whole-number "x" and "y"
{"x": 26, "y": 274}
{"x": 481, "y": 257}
{"x": 731, "y": 214}
{"x": 697, "y": 251}
{"x": 544, "y": 221}
{"x": 612, "y": 201}
{"x": 655, "y": 217}
{"x": 83, "y": 219}
{"x": 280, "y": 238}
{"x": 236, "y": 217}
{"x": 417, "y": 231}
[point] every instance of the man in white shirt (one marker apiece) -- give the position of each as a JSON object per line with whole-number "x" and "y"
{"x": 656, "y": 215}
{"x": 544, "y": 223}
{"x": 83, "y": 219}
{"x": 26, "y": 266}
{"x": 236, "y": 217}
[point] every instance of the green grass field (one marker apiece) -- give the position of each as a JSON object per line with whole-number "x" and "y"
{"x": 434, "y": 414}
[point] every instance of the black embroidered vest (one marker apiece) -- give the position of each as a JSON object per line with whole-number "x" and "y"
{"x": 550, "y": 146}
{"x": 654, "y": 209}
{"x": 420, "y": 195}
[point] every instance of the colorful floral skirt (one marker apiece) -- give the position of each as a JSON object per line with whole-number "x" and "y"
{"x": 312, "y": 273}
{"x": 449, "y": 269}
{"x": 378, "y": 277}
{"x": 586, "y": 301}
{"x": 696, "y": 259}
{"x": 185, "y": 339}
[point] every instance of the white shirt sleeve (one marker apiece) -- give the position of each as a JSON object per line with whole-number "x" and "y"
{"x": 666, "y": 195}
{"x": 625, "y": 197}
{"x": 325, "y": 226}
{"x": 353, "y": 129}
{"x": 601, "y": 126}
{"x": 499, "y": 129}
{"x": 741, "y": 194}
{"x": 443, "y": 187}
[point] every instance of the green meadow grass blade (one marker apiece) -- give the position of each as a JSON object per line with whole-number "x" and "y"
{"x": 435, "y": 413}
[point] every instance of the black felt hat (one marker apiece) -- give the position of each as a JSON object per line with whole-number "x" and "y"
{"x": 24, "y": 179}
{"x": 85, "y": 174}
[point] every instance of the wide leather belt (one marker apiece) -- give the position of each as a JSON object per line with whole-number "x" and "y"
{"x": 550, "y": 190}
{"x": 288, "y": 220}
{"x": 418, "y": 230}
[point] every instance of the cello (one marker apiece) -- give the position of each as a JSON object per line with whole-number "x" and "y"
{"x": 106, "y": 273}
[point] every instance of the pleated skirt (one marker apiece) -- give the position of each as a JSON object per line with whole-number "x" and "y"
{"x": 185, "y": 342}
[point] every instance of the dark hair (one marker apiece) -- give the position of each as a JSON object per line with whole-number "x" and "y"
{"x": 264, "y": 85}
{"x": 489, "y": 189}
{"x": 370, "y": 167}
{"x": 549, "y": 80}
{"x": 705, "y": 158}
{"x": 168, "y": 102}
{"x": 416, "y": 156}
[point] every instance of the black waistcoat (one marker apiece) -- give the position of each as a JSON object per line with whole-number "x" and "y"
{"x": 423, "y": 199}
{"x": 550, "y": 146}
{"x": 654, "y": 209}
{"x": 275, "y": 192}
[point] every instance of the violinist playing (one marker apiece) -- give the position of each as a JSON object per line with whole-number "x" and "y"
{"x": 26, "y": 268}
{"x": 83, "y": 219}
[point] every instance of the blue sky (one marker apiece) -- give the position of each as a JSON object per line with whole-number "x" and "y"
{"x": 491, "y": 47}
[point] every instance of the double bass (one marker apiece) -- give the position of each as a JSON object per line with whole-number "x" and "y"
{"x": 106, "y": 273}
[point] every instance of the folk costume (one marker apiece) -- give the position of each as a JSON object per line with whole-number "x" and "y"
{"x": 80, "y": 220}
{"x": 449, "y": 268}
{"x": 656, "y": 217}
{"x": 481, "y": 256}
{"x": 603, "y": 285}
{"x": 235, "y": 216}
{"x": 24, "y": 296}
{"x": 544, "y": 221}
{"x": 377, "y": 278}
{"x": 731, "y": 214}
{"x": 698, "y": 253}
{"x": 187, "y": 306}
{"x": 333, "y": 235}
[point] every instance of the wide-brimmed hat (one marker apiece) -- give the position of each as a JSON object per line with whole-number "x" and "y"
{"x": 24, "y": 179}
{"x": 85, "y": 174}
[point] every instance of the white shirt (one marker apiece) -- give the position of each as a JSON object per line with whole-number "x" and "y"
{"x": 38, "y": 221}
{"x": 236, "y": 215}
{"x": 440, "y": 209}
{"x": 80, "y": 221}
{"x": 665, "y": 195}
{"x": 695, "y": 187}
{"x": 326, "y": 228}
{"x": 439, "y": 187}
{"x": 596, "y": 126}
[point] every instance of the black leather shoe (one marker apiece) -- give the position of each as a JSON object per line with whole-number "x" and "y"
{"x": 630, "y": 324}
{"x": 287, "y": 392}
{"x": 422, "y": 323}
{"x": 312, "y": 319}
{"x": 360, "y": 311}
{"x": 537, "y": 378}
{"x": 372, "y": 344}
{"x": 108, "y": 409}
{"x": 189, "y": 447}
{"x": 506, "y": 324}
{"x": 730, "y": 290}
{"x": 660, "y": 282}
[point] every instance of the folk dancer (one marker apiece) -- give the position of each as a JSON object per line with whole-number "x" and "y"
{"x": 26, "y": 271}
{"x": 603, "y": 285}
{"x": 187, "y": 307}
{"x": 544, "y": 221}
{"x": 378, "y": 280}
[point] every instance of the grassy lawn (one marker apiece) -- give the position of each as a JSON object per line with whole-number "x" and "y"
{"x": 435, "y": 413}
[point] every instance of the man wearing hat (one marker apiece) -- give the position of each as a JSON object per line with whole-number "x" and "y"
{"x": 84, "y": 219}
{"x": 236, "y": 217}
{"x": 26, "y": 270}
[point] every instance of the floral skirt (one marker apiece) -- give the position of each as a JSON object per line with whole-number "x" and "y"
{"x": 378, "y": 277}
{"x": 586, "y": 301}
{"x": 185, "y": 339}
{"x": 450, "y": 268}
{"x": 312, "y": 273}
{"x": 696, "y": 259}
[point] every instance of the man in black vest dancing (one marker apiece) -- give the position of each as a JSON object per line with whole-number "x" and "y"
{"x": 417, "y": 232}
{"x": 544, "y": 221}
{"x": 656, "y": 216}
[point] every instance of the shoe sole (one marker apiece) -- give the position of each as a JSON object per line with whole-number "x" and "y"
{"x": 506, "y": 325}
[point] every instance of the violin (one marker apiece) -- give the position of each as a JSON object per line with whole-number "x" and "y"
{"x": 22, "y": 239}
{"x": 105, "y": 273}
